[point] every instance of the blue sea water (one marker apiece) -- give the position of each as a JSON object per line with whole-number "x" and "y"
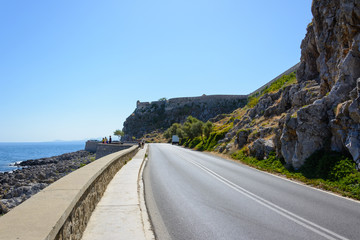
{"x": 17, "y": 152}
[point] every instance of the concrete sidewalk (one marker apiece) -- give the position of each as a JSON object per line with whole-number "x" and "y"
{"x": 121, "y": 212}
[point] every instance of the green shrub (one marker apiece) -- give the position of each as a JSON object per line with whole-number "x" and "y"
{"x": 328, "y": 166}
{"x": 342, "y": 169}
{"x": 200, "y": 146}
{"x": 208, "y": 127}
{"x": 213, "y": 139}
{"x": 252, "y": 101}
{"x": 282, "y": 82}
{"x": 271, "y": 163}
{"x": 239, "y": 155}
{"x": 194, "y": 142}
{"x": 327, "y": 170}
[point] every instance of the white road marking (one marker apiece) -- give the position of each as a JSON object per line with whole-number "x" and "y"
{"x": 326, "y": 233}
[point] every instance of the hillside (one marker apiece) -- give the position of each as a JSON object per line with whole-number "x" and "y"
{"x": 159, "y": 115}
{"x": 297, "y": 116}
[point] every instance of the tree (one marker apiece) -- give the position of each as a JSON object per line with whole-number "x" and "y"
{"x": 187, "y": 130}
{"x": 119, "y": 133}
{"x": 172, "y": 130}
{"x": 197, "y": 129}
{"x": 192, "y": 127}
{"x": 208, "y": 126}
{"x": 191, "y": 119}
{"x": 180, "y": 133}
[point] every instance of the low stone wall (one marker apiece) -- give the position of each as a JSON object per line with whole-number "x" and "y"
{"x": 62, "y": 210}
{"x": 91, "y": 146}
{"x": 106, "y": 149}
{"x": 102, "y": 149}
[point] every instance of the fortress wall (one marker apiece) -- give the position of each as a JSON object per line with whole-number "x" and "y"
{"x": 175, "y": 102}
{"x": 140, "y": 105}
{"x": 209, "y": 99}
{"x": 290, "y": 70}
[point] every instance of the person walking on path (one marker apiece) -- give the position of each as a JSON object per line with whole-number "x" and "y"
{"x": 142, "y": 143}
{"x": 110, "y": 139}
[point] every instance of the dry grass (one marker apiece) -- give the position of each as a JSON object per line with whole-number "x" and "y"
{"x": 155, "y": 137}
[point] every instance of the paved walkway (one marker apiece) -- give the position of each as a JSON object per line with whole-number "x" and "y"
{"x": 121, "y": 212}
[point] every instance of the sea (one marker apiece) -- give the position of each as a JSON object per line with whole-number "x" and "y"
{"x": 11, "y": 153}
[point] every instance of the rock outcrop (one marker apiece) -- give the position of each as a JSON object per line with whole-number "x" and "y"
{"x": 262, "y": 148}
{"x": 285, "y": 122}
{"x": 330, "y": 56}
{"x": 21, "y": 184}
{"x": 322, "y": 109}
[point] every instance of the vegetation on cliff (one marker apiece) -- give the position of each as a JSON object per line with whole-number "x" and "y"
{"x": 327, "y": 170}
{"x": 192, "y": 132}
{"x": 281, "y": 83}
{"x": 247, "y": 139}
{"x": 295, "y": 120}
{"x": 330, "y": 171}
{"x": 160, "y": 115}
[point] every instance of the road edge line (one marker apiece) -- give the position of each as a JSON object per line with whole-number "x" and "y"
{"x": 283, "y": 177}
{"x": 147, "y": 226}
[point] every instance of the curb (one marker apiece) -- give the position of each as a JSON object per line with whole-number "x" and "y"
{"x": 147, "y": 226}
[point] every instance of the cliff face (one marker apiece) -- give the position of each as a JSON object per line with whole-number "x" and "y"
{"x": 331, "y": 56}
{"x": 159, "y": 115}
{"x": 322, "y": 110}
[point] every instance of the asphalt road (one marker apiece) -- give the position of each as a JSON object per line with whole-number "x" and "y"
{"x": 194, "y": 195}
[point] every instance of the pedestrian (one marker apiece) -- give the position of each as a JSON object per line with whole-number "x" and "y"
{"x": 103, "y": 140}
{"x": 106, "y": 140}
{"x": 110, "y": 139}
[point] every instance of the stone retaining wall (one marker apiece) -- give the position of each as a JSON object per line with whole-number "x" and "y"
{"x": 62, "y": 210}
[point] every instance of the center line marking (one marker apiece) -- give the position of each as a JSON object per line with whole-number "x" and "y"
{"x": 328, "y": 234}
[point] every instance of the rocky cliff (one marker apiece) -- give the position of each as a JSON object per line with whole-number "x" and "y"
{"x": 320, "y": 111}
{"x": 330, "y": 56}
{"x": 159, "y": 115}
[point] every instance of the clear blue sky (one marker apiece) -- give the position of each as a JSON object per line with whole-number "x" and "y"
{"x": 74, "y": 70}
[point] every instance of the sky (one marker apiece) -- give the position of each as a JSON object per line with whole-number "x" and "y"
{"x": 73, "y": 70}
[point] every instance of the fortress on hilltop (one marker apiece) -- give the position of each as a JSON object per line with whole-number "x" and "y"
{"x": 178, "y": 102}
{"x": 159, "y": 115}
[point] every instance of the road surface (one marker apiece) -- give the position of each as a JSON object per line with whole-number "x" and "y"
{"x": 194, "y": 195}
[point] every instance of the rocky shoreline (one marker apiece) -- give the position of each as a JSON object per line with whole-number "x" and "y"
{"x": 35, "y": 175}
